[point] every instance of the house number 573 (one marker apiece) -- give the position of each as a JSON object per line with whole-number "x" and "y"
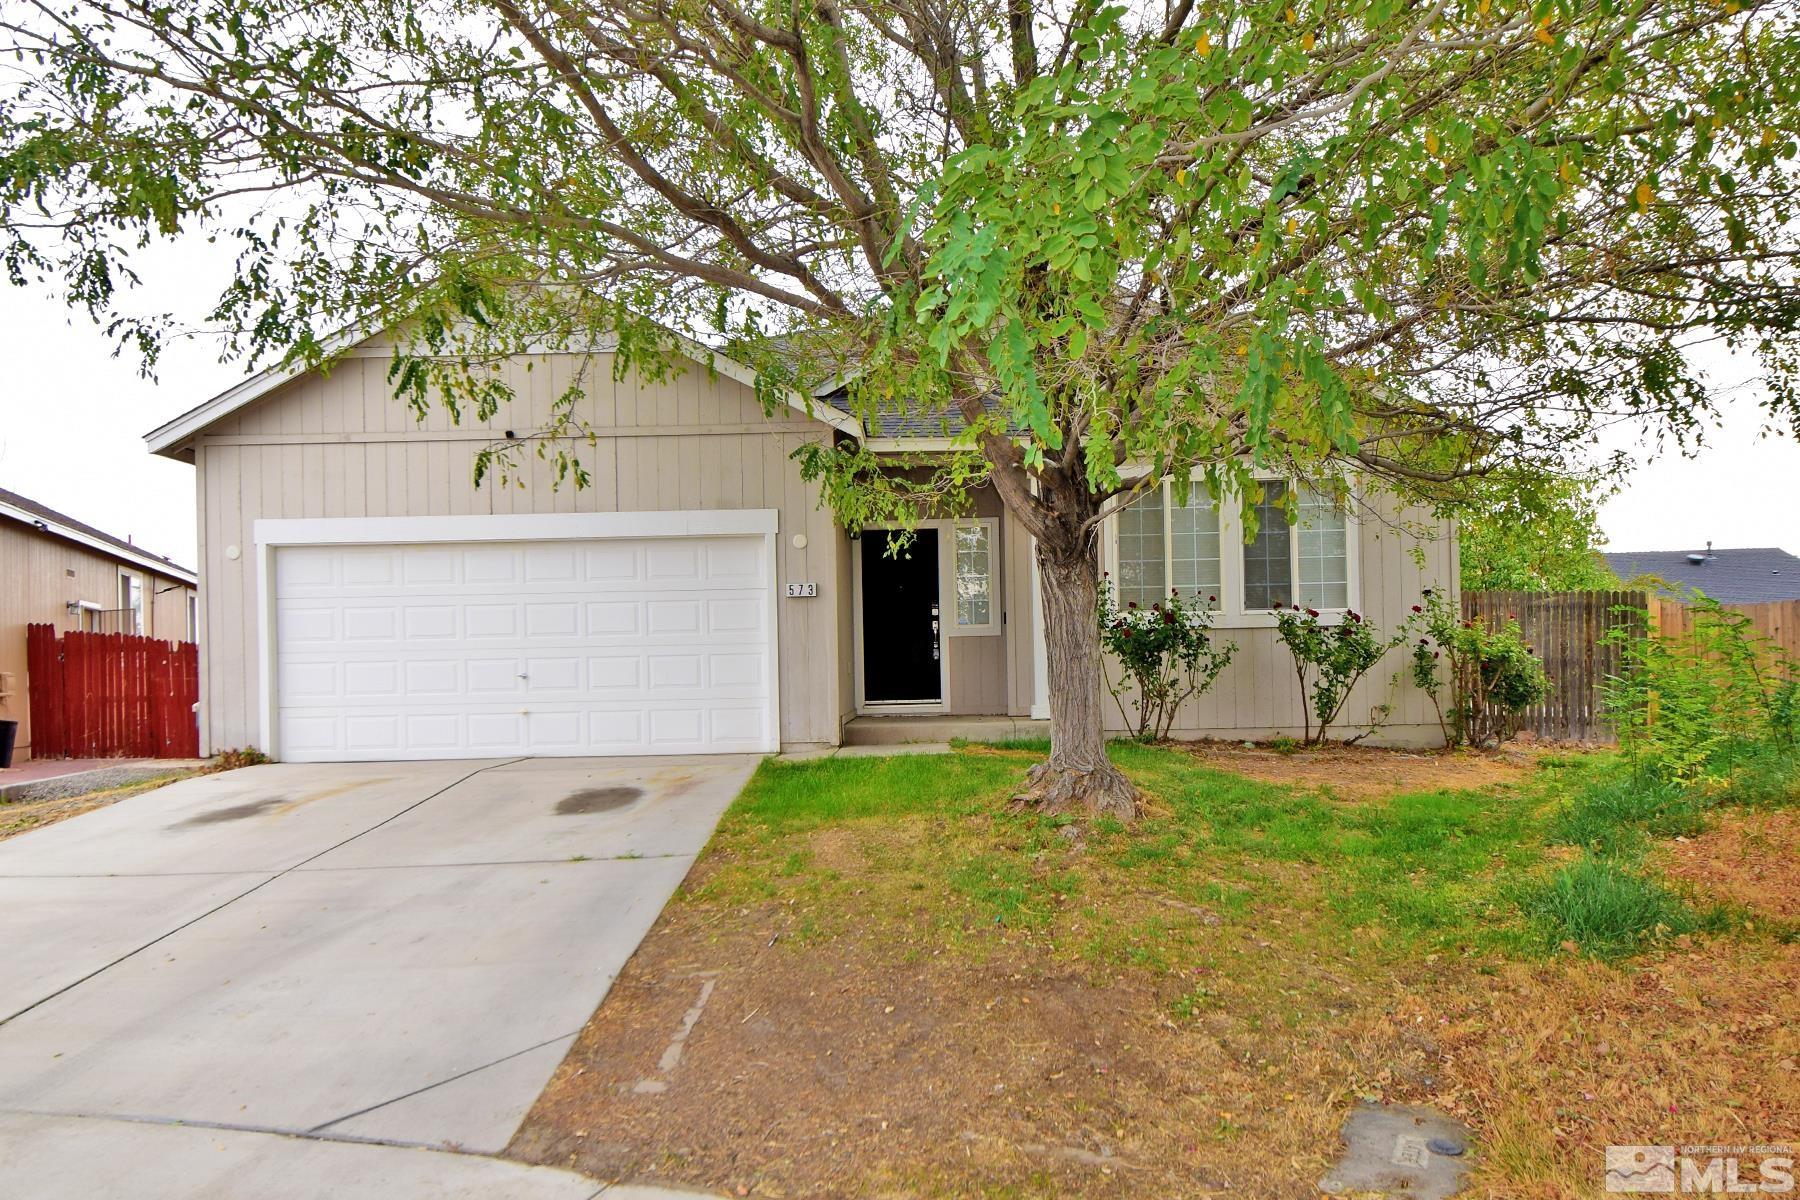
{"x": 803, "y": 589}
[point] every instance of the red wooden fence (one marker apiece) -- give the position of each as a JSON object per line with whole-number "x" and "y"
{"x": 94, "y": 695}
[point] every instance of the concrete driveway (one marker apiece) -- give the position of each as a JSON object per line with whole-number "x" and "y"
{"x": 398, "y": 952}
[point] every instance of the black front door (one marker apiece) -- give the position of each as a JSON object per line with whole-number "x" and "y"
{"x": 901, "y": 637}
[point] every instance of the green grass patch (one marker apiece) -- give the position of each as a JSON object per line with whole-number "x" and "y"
{"x": 1759, "y": 775}
{"x": 1220, "y": 864}
{"x": 1606, "y": 909}
{"x": 789, "y": 797}
{"x": 1613, "y": 812}
{"x": 1007, "y": 890}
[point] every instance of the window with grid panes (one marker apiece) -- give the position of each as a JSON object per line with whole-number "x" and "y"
{"x": 1165, "y": 546}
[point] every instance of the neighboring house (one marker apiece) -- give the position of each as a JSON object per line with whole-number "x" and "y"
{"x": 363, "y": 600}
{"x": 1751, "y": 575}
{"x": 55, "y": 570}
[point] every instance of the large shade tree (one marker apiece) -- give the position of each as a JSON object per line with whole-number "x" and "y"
{"x": 1404, "y": 239}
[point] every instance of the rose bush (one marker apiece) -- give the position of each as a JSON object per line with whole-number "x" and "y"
{"x": 1166, "y": 654}
{"x": 1329, "y": 660}
{"x": 1494, "y": 675}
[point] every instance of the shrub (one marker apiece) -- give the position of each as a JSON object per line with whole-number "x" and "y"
{"x": 1167, "y": 654}
{"x": 1606, "y": 909}
{"x": 1494, "y": 675}
{"x": 231, "y": 760}
{"x": 1679, "y": 702}
{"x": 1329, "y": 660}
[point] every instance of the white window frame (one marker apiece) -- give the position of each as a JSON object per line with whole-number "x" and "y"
{"x": 133, "y": 584}
{"x": 951, "y": 627}
{"x": 1230, "y": 613}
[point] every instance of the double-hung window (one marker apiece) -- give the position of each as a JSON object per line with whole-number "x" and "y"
{"x": 1198, "y": 549}
{"x": 1168, "y": 547}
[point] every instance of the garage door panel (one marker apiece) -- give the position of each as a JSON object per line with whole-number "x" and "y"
{"x": 559, "y": 620}
{"x": 434, "y": 677}
{"x": 488, "y": 622}
{"x": 672, "y": 617}
{"x": 429, "y": 568}
{"x": 552, "y": 564}
{"x": 380, "y": 623}
{"x": 672, "y": 561}
{"x": 614, "y": 647}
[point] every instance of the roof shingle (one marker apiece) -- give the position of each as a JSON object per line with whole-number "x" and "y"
{"x": 1748, "y": 575}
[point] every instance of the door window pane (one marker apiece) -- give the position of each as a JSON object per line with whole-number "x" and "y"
{"x": 1324, "y": 552}
{"x": 1142, "y": 577}
{"x": 1268, "y": 582}
{"x": 974, "y": 576}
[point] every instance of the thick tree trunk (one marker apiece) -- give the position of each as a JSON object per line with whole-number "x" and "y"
{"x": 1078, "y": 777}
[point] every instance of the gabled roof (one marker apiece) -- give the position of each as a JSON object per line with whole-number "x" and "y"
{"x": 169, "y": 439}
{"x": 1748, "y": 575}
{"x": 47, "y": 520}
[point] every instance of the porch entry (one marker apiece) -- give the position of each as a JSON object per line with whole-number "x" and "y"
{"x": 902, "y": 621}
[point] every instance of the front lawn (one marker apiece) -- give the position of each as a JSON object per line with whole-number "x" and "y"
{"x": 896, "y": 987}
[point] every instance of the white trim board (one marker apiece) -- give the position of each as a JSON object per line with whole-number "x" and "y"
{"x": 514, "y": 527}
{"x": 271, "y": 534}
{"x": 143, "y": 559}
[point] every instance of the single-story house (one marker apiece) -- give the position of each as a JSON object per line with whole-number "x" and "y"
{"x": 55, "y": 570}
{"x": 362, "y": 599}
{"x": 1748, "y": 575}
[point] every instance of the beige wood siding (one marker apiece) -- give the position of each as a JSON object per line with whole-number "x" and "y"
{"x": 340, "y": 445}
{"x": 1021, "y": 618}
{"x": 40, "y": 576}
{"x": 1403, "y": 551}
{"x": 975, "y": 664}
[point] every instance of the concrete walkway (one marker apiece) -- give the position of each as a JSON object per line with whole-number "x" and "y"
{"x": 397, "y": 953}
{"x": 55, "y": 1157}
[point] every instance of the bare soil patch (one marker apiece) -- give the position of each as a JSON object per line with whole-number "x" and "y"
{"x": 1355, "y": 772}
{"x": 1748, "y": 858}
{"x": 861, "y": 1067}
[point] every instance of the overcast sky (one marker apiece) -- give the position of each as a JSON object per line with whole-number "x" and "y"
{"x": 72, "y": 420}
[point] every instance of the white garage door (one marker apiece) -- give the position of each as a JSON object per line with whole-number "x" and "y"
{"x": 617, "y": 646}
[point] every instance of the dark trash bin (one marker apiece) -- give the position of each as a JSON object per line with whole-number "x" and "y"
{"x": 9, "y": 733}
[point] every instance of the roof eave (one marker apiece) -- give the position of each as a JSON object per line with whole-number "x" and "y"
{"x": 148, "y": 561}
{"x": 172, "y": 440}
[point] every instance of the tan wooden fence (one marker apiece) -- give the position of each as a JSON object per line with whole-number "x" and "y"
{"x": 1776, "y": 620}
{"x": 1568, "y": 632}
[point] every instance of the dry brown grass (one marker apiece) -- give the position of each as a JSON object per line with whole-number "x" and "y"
{"x": 23, "y": 816}
{"x": 1745, "y": 858}
{"x": 1551, "y": 1063}
{"x": 1355, "y": 772}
